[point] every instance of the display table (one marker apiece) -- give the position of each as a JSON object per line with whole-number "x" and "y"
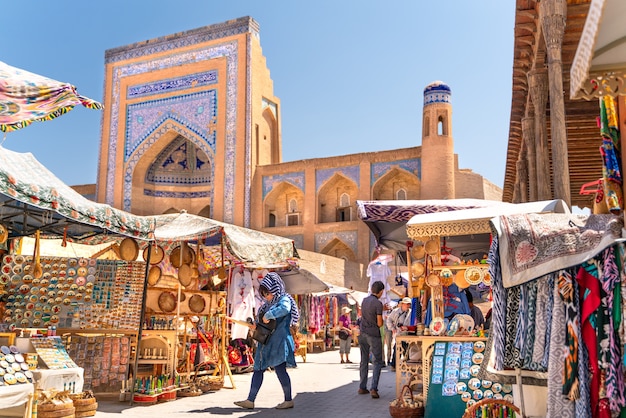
{"x": 409, "y": 367}
{"x": 15, "y": 399}
{"x": 60, "y": 379}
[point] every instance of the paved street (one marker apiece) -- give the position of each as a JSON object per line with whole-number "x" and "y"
{"x": 322, "y": 387}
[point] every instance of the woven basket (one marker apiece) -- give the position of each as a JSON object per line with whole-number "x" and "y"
{"x": 210, "y": 383}
{"x": 401, "y": 409}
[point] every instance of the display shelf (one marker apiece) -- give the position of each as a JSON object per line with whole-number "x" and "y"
{"x": 407, "y": 370}
{"x": 157, "y": 347}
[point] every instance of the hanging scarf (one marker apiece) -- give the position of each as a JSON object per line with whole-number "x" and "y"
{"x": 614, "y": 374}
{"x": 590, "y": 296}
{"x": 567, "y": 293}
{"x": 558, "y": 405}
{"x": 276, "y": 286}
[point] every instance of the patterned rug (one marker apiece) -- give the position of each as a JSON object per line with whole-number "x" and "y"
{"x": 532, "y": 245}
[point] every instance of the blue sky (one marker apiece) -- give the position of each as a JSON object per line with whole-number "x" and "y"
{"x": 350, "y": 74}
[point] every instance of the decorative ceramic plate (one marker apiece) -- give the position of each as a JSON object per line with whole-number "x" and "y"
{"x": 437, "y": 326}
{"x": 478, "y": 358}
{"x": 479, "y": 346}
{"x": 473, "y": 383}
{"x": 474, "y": 275}
{"x": 466, "y": 396}
{"x": 474, "y": 370}
{"x": 10, "y": 379}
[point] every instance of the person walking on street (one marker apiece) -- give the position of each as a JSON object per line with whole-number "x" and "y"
{"x": 398, "y": 321}
{"x": 344, "y": 327}
{"x": 370, "y": 340}
{"x": 278, "y": 351}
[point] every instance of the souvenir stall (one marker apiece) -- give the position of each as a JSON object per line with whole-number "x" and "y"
{"x": 448, "y": 253}
{"x": 228, "y": 258}
{"x": 558, "y": 311}
{"x": 40, "y": 294}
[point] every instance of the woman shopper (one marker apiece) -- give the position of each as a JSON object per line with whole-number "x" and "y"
{"x": 344, "y": 325}
{"x": 278, "y": 351}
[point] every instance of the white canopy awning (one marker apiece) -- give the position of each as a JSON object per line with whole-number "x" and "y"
{"x": 476, "y": 220}
{"x": 600, "y": 61}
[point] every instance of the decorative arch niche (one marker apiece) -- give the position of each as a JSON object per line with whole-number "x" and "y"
{"x": 388, "y": 185}
{"x": 171, "y": 169}
{"x": 283, "y": 206}
{"x": 338, "y": 188}
{"x": 339, "y": 249}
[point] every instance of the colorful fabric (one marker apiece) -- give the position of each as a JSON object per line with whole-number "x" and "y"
{"x": 590, "y": 302}
{"x": 26, "y": 97}
{"x": 558, "y": 405}
{"x": 614, "y": 383}
{"x": 567, "y": 292}
{"x": 532, "y": 245}
{"x": 542, "y": 322}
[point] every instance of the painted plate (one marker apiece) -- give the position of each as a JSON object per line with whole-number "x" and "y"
{"x": 10, "y": 379}
{"x": 473, "y": 383}
{"x": 437, "y": 326}
{"x": 474, "y": 275}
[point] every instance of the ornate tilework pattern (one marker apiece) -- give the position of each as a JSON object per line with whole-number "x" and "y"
{"x": 197, "y": 112}
{"x": 181, "y": 162}
{"x": 136, "y": 156}
{"x": 321, "y": 176}
{"x": 437, "y": 92}
{"x": 270, "y": 182}
{"x": 248, "y": 142}
{"x": 413, "y": 166}
{"x": 228, "y": 50}
{"x": 172, "y": 84}
{"x": 350, "y": 238}
{"x": 181, "y": 195}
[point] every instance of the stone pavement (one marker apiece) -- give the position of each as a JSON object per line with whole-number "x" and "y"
{"x": 322, "y": 387}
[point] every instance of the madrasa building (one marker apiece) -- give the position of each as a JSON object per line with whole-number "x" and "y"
{"x": 191, "y": 123}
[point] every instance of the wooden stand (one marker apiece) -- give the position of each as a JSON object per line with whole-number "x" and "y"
{"x": 406, "y": 370}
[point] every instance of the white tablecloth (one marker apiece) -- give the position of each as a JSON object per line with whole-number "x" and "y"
{"x": 14, "y": 398}
{"x": 55, "y": 379}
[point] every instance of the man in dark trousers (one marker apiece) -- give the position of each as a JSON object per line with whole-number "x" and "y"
{"x": 370, "y": 339}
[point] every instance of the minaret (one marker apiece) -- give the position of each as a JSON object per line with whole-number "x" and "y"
{"x": 437, "y": 180}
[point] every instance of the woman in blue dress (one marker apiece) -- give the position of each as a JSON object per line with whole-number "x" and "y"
{"x": 278, "y": 352}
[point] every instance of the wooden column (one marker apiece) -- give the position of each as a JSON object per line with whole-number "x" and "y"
{"x": 538, "y": 86}
{"x": 520, "y": 194}
{"x": 528, "y": 137}
{"x": 553, "y": 16}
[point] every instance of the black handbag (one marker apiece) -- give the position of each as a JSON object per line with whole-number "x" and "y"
{"x": 263, "y": 332}
{"x": 343, "y": 334}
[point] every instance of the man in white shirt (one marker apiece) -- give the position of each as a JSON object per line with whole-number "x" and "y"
{"x": 398, "y": 321}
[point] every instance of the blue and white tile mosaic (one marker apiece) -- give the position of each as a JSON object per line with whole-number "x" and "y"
{"x": 270, "y": 182}
{"x": 413, "y": 166}
{"x": 172, "y": 84}
{"x": 322, "y": 175}
{"x": 350, "y": 238}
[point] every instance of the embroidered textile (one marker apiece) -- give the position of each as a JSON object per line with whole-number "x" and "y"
{"x": 532, "y": 245}
{"x": 558, "y": 405}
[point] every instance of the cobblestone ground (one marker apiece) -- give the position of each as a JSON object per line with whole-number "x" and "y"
{"x": 322, "y": 387}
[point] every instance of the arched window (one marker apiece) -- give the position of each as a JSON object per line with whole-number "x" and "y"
{"x": 293, "y": 206}
{"x": 344, "y": 211}
{"x": 401, "y": 194}
{"x": 344, "y": 200}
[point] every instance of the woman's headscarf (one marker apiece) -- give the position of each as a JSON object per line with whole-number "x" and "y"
{"x": 273, "y": 282}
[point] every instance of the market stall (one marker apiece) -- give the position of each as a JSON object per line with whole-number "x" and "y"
{"x": 446, "y": 253}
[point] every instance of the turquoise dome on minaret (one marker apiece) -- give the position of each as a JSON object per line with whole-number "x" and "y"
{"x": 437, "y": 92}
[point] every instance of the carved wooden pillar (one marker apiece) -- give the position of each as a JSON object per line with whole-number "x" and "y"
{"x": 538, "y": 86}
{"x": 520, "y": 193}
{"x": 553, "y": 16}
{"x": 528, "y": 136}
